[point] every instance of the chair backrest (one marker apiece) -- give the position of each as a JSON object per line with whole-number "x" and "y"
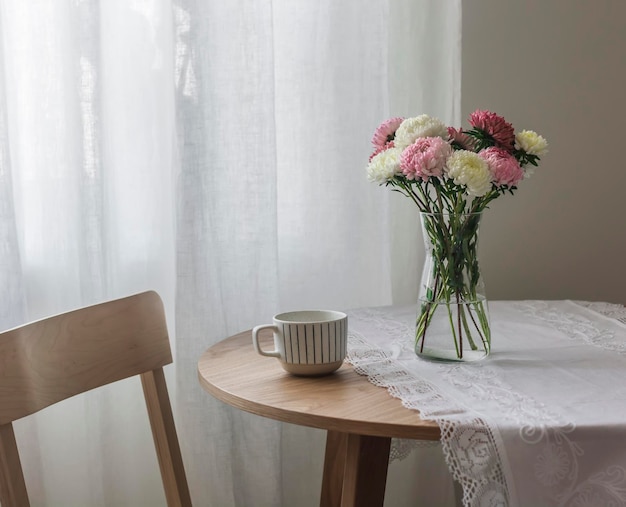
{"x": 53, "y": 359}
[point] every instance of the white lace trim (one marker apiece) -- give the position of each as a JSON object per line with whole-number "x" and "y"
{"x": 468, "y": 443}
{"x": 579, "y": 327}
{"x": 612, "y": 310}
{"x": 469, "y": 448}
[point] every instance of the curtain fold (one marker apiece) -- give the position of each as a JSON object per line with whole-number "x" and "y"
{"x": 11, "y": 283}
{"x": 214, "y": 152}
{"x": 227, "y": 269}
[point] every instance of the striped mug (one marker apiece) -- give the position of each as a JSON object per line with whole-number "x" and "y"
{"x": 307, "y": 342}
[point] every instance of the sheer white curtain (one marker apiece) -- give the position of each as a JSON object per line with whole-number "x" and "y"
{"x": 215, "y": 152}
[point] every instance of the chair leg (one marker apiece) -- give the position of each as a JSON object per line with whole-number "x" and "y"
{"x": 12, "y": 486}
{"x": 165, "y": 438}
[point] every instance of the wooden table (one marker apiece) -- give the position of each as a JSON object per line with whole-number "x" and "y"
{"x": 359, "y": 417}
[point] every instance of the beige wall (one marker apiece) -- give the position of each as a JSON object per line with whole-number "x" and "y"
{"x": 557, "y": 67}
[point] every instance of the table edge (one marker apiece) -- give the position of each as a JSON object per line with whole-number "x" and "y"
{"x": 429, "y": 431}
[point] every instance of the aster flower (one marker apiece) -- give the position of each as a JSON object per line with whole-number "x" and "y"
{"x": 528, "y": 172}
{"x": 452, "y": 175}
{"x": 460, "y": 139}
{"x": 390, "y": 144}
{"x": 385, "y": 133}
{"x": 489, "y": 126}
{"x": 420, "y": 126}
{"x": 504, "y": 167}
{"x": 424, "y": 158}
{"x": 468, "y": 169}
{"x": 531, "y": 142}
{"x": 384, "y": 166}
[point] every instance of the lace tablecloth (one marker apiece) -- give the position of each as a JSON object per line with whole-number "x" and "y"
{"x": 540, "y": 422}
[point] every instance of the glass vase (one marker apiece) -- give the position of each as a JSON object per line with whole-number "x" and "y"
{"x": 452, "y": 314}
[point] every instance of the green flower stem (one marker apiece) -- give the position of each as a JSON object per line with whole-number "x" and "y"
{"x": 453, "y": 279}
{"x": 484, "y": 324}
{"x": 468, "y": 332}
{"x": 429, "y": 315}
{"x": 458, "y": 318}
{"x": 456, "y": 343}
{"x": 407, "y": 190}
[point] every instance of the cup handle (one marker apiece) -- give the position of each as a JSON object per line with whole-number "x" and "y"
{"x": 255, "y": 340}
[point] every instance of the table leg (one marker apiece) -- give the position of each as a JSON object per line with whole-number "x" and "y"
{"x": 355, "y": 470}
{"x": 365, "y": 474}
{"x": 334, "y": 465}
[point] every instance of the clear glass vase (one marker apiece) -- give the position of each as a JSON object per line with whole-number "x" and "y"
{"x": 452, "y": 313}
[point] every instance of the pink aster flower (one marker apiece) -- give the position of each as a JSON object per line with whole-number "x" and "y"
{"x": 504, "y": 168}
{"x": 461, "y": 139}
{"x": 386, "y": 132}
{"x": 424, "y": 158}
{"x": 500, "y": 130}
{"x": 380, "y": 149}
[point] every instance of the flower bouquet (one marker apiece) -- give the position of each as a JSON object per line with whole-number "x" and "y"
{"x": 452, "y": 175}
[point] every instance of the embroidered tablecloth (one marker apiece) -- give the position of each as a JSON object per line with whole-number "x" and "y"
{"x": 539, "y": 422}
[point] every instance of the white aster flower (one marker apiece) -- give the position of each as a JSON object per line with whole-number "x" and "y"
{"x": 531, "y": 142}
{"x": 419, "y": 126}
{"x": 384, "y": 166}
{"x": 528, "y": 172}
{"x": 467, "y": 168}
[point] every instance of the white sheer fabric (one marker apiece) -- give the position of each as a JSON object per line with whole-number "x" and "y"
{"x": 215, "y": 152}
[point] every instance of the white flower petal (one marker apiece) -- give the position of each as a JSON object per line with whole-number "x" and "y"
{"x": 419, "y": 126}
{"x": 384, "y": 166}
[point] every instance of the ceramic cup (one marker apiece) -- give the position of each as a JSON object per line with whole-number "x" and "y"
{"x": 308, "y": 342}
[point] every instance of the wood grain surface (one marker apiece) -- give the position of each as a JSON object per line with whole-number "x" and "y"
{"x": 344, "y": 401}
{"x": 52, "y": 359}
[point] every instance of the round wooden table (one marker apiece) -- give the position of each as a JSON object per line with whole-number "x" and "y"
{"x": 359, "y": 417}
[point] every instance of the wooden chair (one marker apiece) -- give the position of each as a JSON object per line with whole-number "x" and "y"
{"x": 53, "y": 359}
